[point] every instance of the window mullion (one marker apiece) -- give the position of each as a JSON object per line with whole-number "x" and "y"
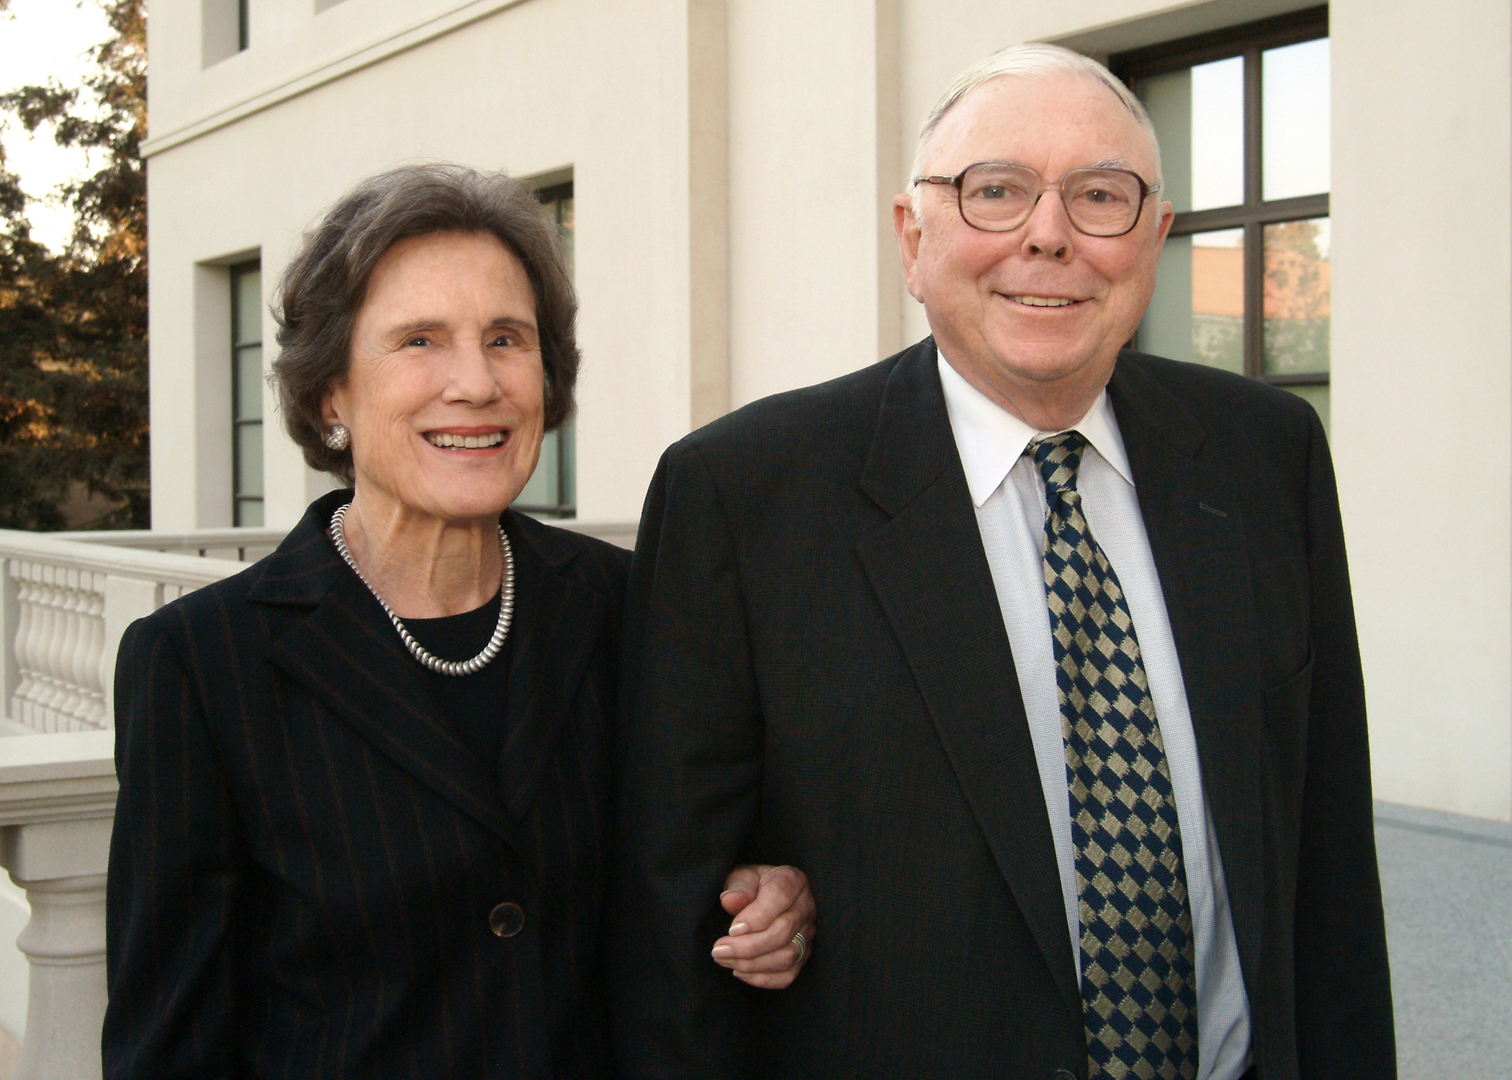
{"x": 1303, "y": 206}
{"x": 1198, "y": 221}
{"x": 1305, "y": 378}
{"x": 1253, "y": 104}
{"x": 1254, "y": 299}
{"x": 1254, "y": 252}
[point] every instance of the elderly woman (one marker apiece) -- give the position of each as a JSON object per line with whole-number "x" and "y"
{"x": 365, "y": 784}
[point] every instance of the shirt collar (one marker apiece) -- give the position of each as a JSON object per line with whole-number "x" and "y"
{"x": 990, "y": 439}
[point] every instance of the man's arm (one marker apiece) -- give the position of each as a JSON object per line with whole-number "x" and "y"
{"x": 690, "y": 787}
{"x": 1343, "y": 984}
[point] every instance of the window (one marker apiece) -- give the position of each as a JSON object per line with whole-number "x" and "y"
{"x": 246, "y": 394}
{"x": 552, "y": 490}
{"x": 225, "y": 28}
{"x": 1243, "y": 121}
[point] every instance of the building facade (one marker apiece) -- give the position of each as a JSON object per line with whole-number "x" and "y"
{"x": 726, "y": 169}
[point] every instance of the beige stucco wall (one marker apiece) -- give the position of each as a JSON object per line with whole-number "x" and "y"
{"x": 1422, "y": 406}
{"x": 813, "y": 146}
{"x": 596, "y": 87}
{"x": 733, "y": 164}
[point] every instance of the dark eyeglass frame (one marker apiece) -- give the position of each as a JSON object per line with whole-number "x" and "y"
{"x": 958, "y": 180}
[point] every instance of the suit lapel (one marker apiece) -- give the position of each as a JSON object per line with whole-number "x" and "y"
{"x": 1196, "y": 534}
{"x": 346, "y": 654}
{"x": 557, "y": 626}
{"x": 931, "y": 575}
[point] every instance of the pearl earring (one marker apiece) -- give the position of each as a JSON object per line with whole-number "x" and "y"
{"x": 338, "y": 438}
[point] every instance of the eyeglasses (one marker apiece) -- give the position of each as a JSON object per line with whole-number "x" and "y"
{"x": 996, "y": 197}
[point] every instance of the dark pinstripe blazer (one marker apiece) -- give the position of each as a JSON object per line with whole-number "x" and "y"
{"x": 305, "y": 858}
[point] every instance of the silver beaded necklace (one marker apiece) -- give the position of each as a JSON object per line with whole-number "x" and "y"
{"x": 435, "y": 663}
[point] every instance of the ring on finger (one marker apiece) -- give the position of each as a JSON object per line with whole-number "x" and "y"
{"x": 801, "y": 944}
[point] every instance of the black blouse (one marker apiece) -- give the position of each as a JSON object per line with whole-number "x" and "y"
{"x": 472, "y": 705}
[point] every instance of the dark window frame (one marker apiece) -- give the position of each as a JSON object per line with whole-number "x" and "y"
{"x": 239, "y": 419}
{"x": 1249, "y": 40}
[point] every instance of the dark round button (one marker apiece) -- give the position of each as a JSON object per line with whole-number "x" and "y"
{"x": 506, "y": 920}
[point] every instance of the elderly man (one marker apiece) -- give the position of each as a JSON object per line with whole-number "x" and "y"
{"x": 1038, "y": 656}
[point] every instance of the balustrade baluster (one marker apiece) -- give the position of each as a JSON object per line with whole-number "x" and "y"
{"x": 67, "y": 697}
{"x": 20, "y": 704}
{"x": 58, "y": 652}
{"x": 78, "y": 710}
{"x": 52, "y": 647}
{"x": 74, "y": 605}
{"x": 10, "y": 617}
{"x": 43, "y": 635}
{"x": 87, "y": 659}
{"x": 36, "y": 646}
{"x": 68, "y": 598}
{"x": 61, "y": 653}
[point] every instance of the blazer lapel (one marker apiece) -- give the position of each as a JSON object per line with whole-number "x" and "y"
{"x": 346, "y": 654}
{"x": 1196, "y": 533}
{"x": 558, "y": 625}
{"x": 930, "y": 573}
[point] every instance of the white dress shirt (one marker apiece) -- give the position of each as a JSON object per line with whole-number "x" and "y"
{"x": 1009, "y": 496}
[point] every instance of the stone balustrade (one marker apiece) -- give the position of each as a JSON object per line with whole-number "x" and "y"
{"x": 64, "y": 605}
{"x": 57, "y": 798}
{"x": 243, "y": 545}
{"x": 248, "y": 545}
{"x": 65, "y": 601}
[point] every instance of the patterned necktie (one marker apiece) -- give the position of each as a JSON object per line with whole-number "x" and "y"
{"x": 1139, "y": 982}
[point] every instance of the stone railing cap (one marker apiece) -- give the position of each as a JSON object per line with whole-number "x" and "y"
{"x": 165, "y": 567}
{"x": 57, "y": 777}
{"x": 56, "y": 756}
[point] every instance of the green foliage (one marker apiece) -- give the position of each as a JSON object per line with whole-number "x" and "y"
{"x": 73, "y": 327}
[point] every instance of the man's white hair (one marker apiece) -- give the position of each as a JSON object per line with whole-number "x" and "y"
{"x": 1035, "y": 59}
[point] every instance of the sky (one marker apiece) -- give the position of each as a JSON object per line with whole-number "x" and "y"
{"x": 1295, "y": 96}
{"x": 42, "y": 39}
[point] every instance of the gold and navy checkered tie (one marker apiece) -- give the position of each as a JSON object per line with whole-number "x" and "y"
{"x": 1138, "y": 958}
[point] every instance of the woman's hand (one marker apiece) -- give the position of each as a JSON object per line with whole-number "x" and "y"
{"x": 771, "y": 905}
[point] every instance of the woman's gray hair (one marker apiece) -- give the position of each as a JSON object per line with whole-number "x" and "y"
{"x": 1032, "y": 59}
{"x": 325, "y": 284}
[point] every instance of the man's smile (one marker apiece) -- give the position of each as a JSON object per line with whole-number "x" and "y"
{"x": 1043, "y": 301}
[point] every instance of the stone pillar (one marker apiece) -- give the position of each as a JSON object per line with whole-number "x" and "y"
{"x": 57, "y": 802}
{"x": 61, "y": 865}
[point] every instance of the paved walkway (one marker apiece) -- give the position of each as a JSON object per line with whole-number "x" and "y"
{"x": 1448, "y": 888}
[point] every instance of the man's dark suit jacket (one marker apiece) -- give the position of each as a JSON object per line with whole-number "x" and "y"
{"x": 819, "y": 674}
{"x": 305, "y": 857}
